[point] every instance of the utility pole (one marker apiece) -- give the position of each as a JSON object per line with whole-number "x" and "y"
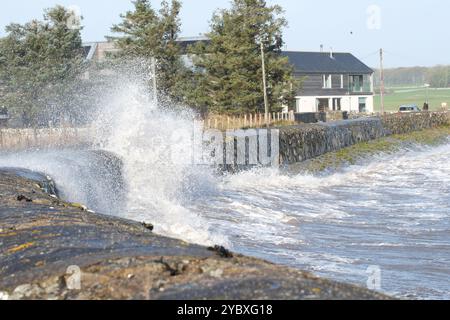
{"x": 266, "y": 100}
{"x": 155, "y": 84}
{"x": 381, "y": 81}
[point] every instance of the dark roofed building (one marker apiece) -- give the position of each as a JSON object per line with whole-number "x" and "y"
{"x": 185, "y": 42}
{"x": 324, "y": 62}
{"x": 98, "y": 51}
{"x": 332, "y": 82}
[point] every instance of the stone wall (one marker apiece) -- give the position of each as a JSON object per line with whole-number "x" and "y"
{"x": 19, "y": 139}
{"x": 405, "y": 123}
{"x": 307, "y": 141}
{"x": 297, "y": 143}
{"x": 300, "y": 143}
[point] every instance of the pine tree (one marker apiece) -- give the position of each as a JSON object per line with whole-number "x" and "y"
{"x": 39, "y": 62}
{"x": 146, "y": 33}
{"x": 229, "y": 67}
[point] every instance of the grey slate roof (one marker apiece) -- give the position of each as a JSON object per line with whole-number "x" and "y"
{"x": 321, "y": 62}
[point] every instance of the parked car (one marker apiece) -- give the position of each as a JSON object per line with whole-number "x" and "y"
{"x": 409, "y": 108}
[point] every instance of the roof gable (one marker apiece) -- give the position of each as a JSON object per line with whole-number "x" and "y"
{"x": 322, "y": 62}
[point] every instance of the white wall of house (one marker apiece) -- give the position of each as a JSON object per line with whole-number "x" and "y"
{"x": 351, "y": 103}
{"x": 306, "y": 104}
{"x": 348, "y": 103}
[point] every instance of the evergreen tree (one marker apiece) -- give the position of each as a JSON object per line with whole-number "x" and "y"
{"x": 228, "y": 77}
{"x": 146, "y": 33}
{"x": 39, "y": 62}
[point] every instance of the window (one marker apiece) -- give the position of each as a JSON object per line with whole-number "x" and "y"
{"x": 342, "y": 81}
{"x": 362, "y": 105}
{"x": 356, "y": 83}
{"x": 327, "y": 81}
{"x": 336, "y": 104}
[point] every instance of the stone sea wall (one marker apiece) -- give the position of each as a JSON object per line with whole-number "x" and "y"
{"x": 304, "y": 142}
{"x": 297, "y": 143}
{"x": 405, "y": 123}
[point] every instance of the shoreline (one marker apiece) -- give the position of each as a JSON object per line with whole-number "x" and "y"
{"x": 43, "y": 240}
{"x": 351, "y": 155}
{"x": 41, "y": 236}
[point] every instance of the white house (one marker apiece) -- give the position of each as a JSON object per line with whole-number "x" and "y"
{"x": 332, "y": 82}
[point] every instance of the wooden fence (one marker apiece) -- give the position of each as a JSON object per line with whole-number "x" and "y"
{"x": 22, "y": 139}
{"x": 252, "y": 120}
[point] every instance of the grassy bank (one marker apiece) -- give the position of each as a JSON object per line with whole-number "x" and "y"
{"x": 352, "y": 154}
{"x": 400, "y": 96}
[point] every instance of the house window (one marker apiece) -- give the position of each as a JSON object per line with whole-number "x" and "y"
{"x": 356, "y": 83}
{"x": 362, "y": 105}
{"x": 327, "y": 81}
{"x": 336, "y": 104}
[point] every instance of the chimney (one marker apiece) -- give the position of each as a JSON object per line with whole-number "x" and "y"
{"x": 321, "y": 48}
{"x": 331, "y": 53}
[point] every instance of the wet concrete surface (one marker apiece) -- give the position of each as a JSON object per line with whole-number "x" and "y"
{"x": 47, "y": 245}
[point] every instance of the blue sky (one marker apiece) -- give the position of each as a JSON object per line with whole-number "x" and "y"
{"x": 412, "y": 32}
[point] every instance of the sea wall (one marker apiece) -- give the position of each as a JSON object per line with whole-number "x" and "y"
{"x": 303, "y": 142}
{"x": 307, "y": 141}
{"x": 405, "y": 123}
{"x": 297, "y": 143}
{"x": 19, "y": 139}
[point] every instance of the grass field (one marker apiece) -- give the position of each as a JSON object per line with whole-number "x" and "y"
{"x": 399, "y": 96}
